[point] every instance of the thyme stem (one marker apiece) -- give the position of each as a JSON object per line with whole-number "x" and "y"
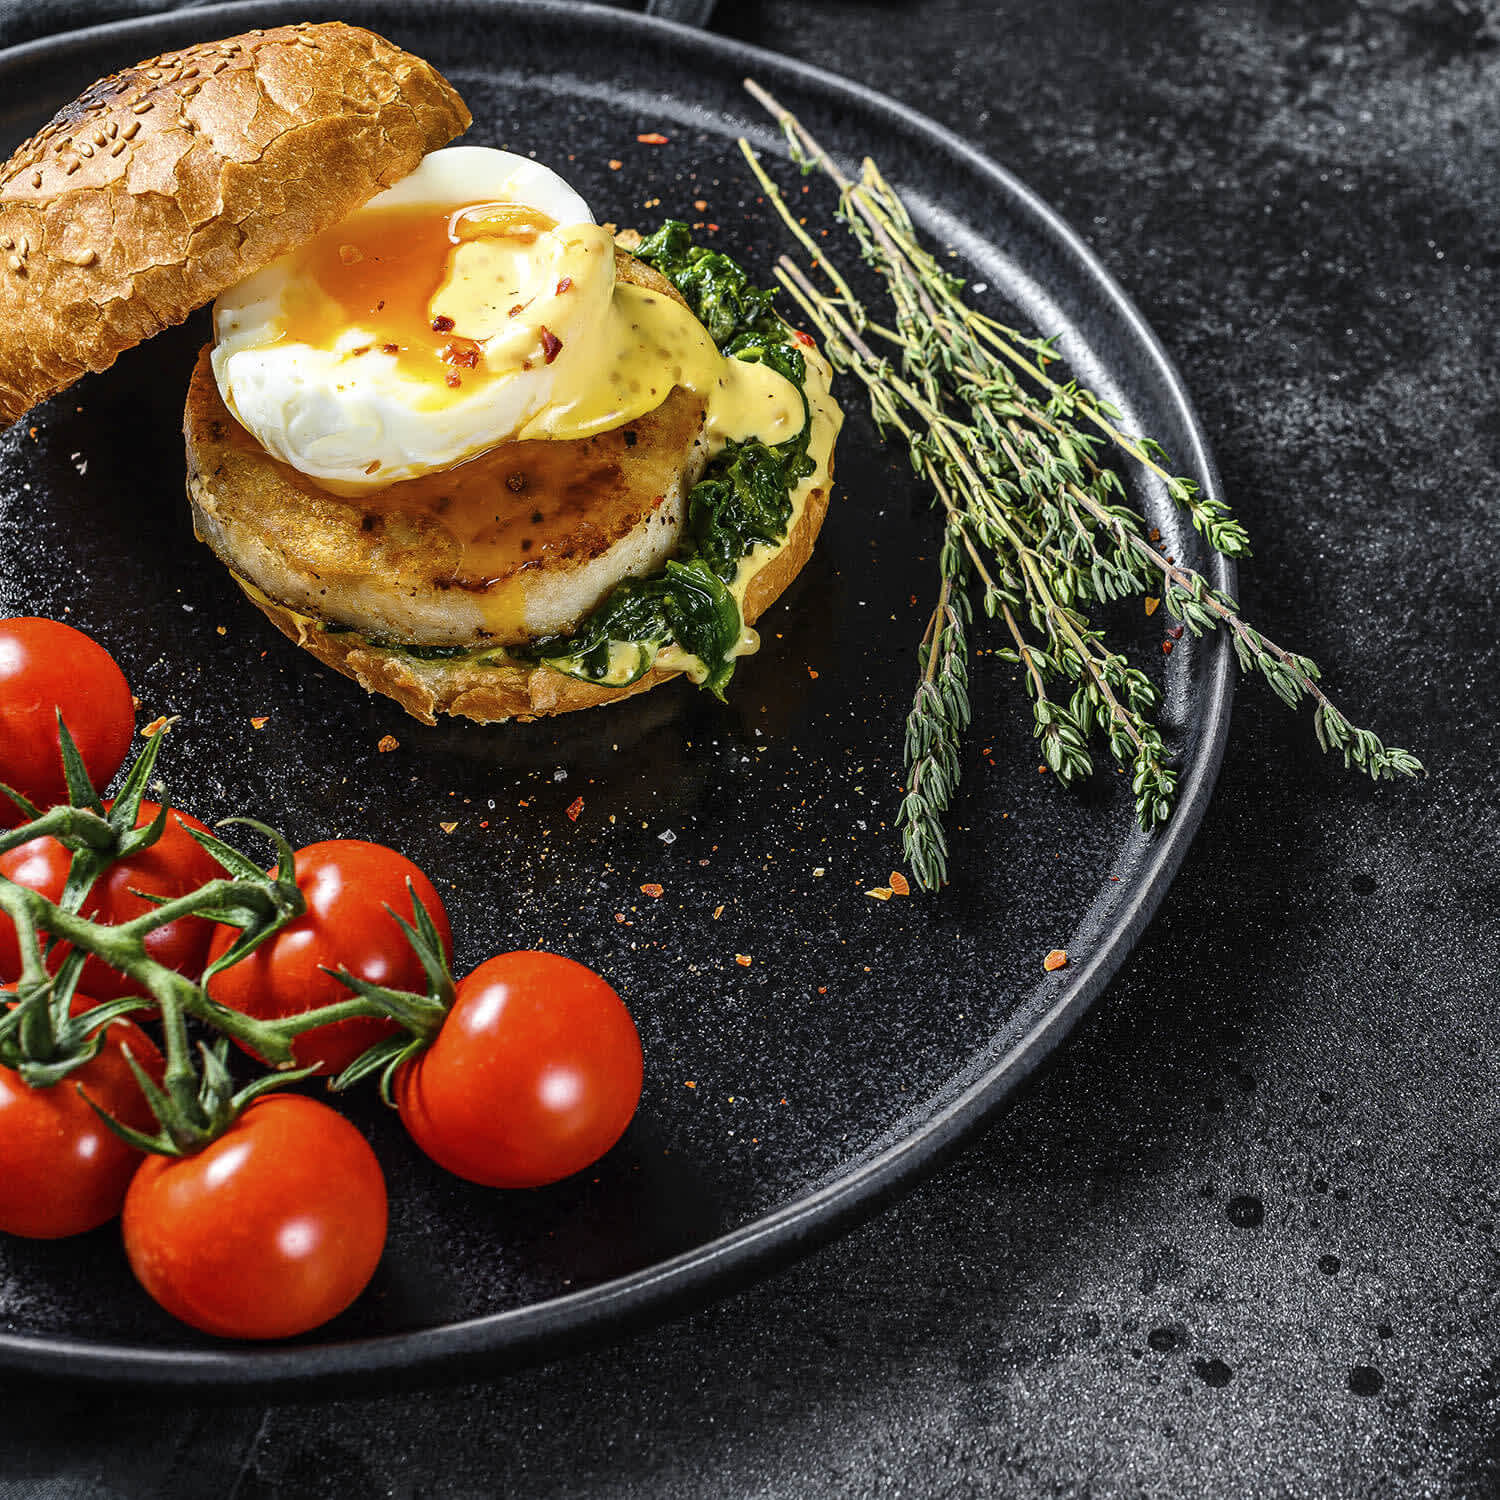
{"x": 1032, "y": 512}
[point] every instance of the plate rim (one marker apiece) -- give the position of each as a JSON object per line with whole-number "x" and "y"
{"x": 561, "y": 1325}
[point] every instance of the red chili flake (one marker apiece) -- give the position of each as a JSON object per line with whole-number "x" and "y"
{"x": 441, "y": 324}
{"x": 712, "y": 228}
{"x": 461, "y": 352}
{"x": 898, "y": 883}
{"x": 452, "y": 380}
{"x": 1056, "y": 959}
{"x": 1167, "y": 647}
{"x": 1175, "y": 632}
{"x": 390, "y": 348}
{"x": 373, "y": 467}
{"x": 615, "y": 164}
{"x": 812, "y": 672}
{"x": 689, "y": 1083}
{"x": 574, "y": 808}
{"x": 804, "y": 338}
{"x": 551, "y": 344}
{"x": 701, "y": 204}
{"x": 387, "y": 743}
{"x": 742, "y": 959}
{"x": 564, "y": 284}
{"x": 259, "y": 723}
{"x": 653, "y": 890}
{"x": 652, "y": 138}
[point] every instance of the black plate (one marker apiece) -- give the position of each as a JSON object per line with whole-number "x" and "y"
{"x": 865, "y": 1039}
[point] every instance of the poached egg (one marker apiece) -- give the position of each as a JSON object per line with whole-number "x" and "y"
{"x": 473, "y": 303}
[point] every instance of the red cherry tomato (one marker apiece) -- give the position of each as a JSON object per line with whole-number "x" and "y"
{"x": 268, "y": 1231}
{"x": 65, "y": 1171}
{"x": 46, "y": 666}
{"x": 534, "y": 1075}
{"x": 348, "y": 885}
{"x": 174, "y": 865}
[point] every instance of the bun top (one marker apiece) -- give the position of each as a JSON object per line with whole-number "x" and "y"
{"x": 163, "y": 185}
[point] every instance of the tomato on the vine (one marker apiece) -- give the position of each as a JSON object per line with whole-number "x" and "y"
{"x": 535, "y": 1073}
{"x": 348, "y": 884}
{"x": 267, "y": 1231}
{"x": 174, "y": 865}
{"x": 46, "y": 666}
{"x": 65, "y": 1171}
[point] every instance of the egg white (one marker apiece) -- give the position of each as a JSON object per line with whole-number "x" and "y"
{"x": 360, "y": 423}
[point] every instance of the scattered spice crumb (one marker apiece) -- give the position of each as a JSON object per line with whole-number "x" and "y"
{"x": 447, "y": 827}
{"x": 701, "y": 204}
{"x": 812, "y": 673}
{"x": 652, "y": 138}
{"x": 689, "y": 1083}
{"x": 819, "y": 873}
{"x": 221, "y": 630}
{"x": 261, "y": 722}
{"x": 1152, "y": 604}
{"x": 880, "y": 892}
{"x": 742, "y": 959}
{"x": 615, "y": 165}
{"x": 619, "y": 916}
{"x": 822, "y": 989}
{"x": 388, "y": 742}
{"x": 652, "y": 889}
{"x": 1056, "y": 959}
{"x": 154, "y": 728}
{"x": 718, "y": 912}
{"x": 574, "y": 808}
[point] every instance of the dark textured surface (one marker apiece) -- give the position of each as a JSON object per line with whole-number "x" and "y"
{"x": 1089, "y": 1301}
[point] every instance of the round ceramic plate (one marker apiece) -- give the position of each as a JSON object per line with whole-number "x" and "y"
{"x": 809, "y": 1049}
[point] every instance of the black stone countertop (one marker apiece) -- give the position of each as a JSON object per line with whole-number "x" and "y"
{"x": 1243, "y": 1236}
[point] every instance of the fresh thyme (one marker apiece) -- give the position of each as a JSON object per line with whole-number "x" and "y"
{"x": 1035, "y": 519}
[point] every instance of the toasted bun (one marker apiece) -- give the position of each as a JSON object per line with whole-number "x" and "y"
{"x": 163, "y": 185}
{"x": 517, "y": 690}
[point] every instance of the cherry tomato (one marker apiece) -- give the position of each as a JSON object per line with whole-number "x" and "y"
{"x": 65, "y": 1171}
{"x": 534, "y": 1075}
{"x": 348, "y": 885}
{"x": 174, "y": 865}
{"x": 270, "y": 1230}
{"x": 46, "y": 666}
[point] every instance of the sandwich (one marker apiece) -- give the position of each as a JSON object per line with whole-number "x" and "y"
{"x": 453, "y": 436}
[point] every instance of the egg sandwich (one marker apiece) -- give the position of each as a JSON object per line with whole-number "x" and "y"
{"x": 453, "y": 436}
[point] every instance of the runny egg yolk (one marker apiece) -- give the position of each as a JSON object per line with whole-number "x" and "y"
{"x": 448, "y": 316}
{"x": 383, "y": 272}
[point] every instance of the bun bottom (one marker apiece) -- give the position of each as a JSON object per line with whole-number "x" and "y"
{"x": 517, "y": 689}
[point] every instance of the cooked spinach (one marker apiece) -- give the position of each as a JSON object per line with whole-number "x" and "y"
{"x": 743, "y": 499}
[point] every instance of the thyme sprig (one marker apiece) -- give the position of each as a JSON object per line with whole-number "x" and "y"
{"x": 1036, "y": 519}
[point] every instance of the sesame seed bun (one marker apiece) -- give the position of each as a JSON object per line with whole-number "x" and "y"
{"x": 163, "y": 185}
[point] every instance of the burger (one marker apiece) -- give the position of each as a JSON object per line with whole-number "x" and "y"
{"x": 453, "y": 436}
